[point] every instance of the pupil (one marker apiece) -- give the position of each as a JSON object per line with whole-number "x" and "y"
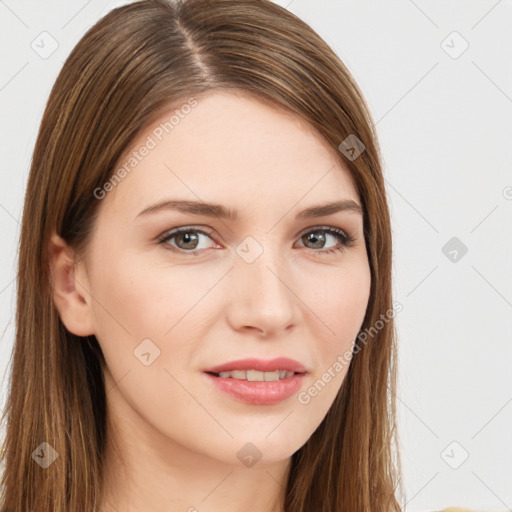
{"x": 187, "y": 238}
{"x": 319, "y": 239}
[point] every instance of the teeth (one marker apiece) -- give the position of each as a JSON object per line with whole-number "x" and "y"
{"x": 256, "y": 376}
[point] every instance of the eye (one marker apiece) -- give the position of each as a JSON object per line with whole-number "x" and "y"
{"x": 187, "y": 240}
{"x": 318, "y": 237}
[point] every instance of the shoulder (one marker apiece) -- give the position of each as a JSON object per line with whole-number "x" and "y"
{"x": 459, "y": 509}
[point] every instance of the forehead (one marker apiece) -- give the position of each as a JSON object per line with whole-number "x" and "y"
{"x": 234, "y": 148}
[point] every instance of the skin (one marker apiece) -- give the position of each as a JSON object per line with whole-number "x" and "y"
{"x": 173, "y": 437}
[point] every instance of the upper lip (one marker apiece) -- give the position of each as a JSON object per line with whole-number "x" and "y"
{"x": 262, "y": 365}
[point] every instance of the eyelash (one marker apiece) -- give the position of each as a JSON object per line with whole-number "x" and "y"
{"x": 346, "y": 240}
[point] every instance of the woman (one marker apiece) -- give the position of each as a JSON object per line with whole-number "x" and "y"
{"x": 204, "y": 316}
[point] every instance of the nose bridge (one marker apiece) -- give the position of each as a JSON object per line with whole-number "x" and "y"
{"x": 262, "y": 297}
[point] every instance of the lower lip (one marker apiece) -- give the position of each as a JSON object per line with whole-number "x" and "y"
{"x": 259, "y": 393}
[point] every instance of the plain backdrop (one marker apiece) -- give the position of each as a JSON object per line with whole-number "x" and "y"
{"x": 437, "y": 76}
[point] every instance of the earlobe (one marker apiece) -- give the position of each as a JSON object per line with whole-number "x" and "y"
{"x": 69, "y": 295}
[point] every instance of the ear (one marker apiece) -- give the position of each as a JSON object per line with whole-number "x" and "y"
{"x": 69, "y": 293}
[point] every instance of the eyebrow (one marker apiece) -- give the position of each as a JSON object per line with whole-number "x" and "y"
{"x": 220, "y": 211}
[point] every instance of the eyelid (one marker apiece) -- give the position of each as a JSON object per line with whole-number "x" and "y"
{"x": 171, "y": 233}
{"x": 347, "y": 239}
{"x": 187, "y": 227}
{"x": 210, "y": 231}
{"x": 323, "y": 227}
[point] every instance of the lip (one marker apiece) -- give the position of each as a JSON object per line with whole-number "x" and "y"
{"x": 262, "y": 365}
{"x": 258, "y": 393}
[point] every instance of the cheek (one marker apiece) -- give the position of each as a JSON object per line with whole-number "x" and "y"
{"x": 148, "y": 300}
{"x": 342, "y": 308}
{"x": 349, "y": 305}
{"x": 165, "y": 303}
{"x": 342, "y": 302}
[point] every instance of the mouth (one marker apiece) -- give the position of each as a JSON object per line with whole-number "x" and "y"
{"x": 255, "y": 375}
{"x": 253, "y": 387}
{"x": 258, "y": 382}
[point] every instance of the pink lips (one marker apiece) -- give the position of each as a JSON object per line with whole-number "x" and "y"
{"x": 261, "y": 365}
{"x": 259, "y": 393}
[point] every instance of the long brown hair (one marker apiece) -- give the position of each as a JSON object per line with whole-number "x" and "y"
{"x": 122, "y": 75}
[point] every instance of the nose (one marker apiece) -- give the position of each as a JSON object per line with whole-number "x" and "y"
{"x": 261, "y": 295}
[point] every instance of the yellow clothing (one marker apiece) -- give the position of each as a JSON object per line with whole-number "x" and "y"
{"x": 458, "y": 509}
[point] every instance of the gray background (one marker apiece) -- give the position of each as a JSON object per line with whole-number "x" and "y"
{"x": 443, "y": 115}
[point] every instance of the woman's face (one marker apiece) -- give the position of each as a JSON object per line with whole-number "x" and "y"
{"x": 273, "y": 282}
